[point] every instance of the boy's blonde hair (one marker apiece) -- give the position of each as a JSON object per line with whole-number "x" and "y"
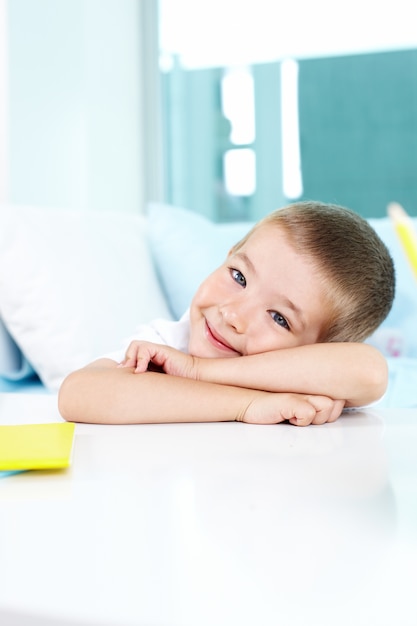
{"x": 346, "y": 250}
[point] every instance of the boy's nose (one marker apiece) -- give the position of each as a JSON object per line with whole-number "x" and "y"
{"x": 234, "y": 315}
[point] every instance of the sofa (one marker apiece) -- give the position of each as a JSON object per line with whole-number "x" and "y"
{"x": 74, "y": 285}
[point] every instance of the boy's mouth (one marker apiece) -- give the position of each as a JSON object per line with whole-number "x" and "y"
{"x": 218, "y": 341}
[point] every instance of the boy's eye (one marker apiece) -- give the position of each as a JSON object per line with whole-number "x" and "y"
{"x": 238, "y": 277}
{"x": 280, "y": 320}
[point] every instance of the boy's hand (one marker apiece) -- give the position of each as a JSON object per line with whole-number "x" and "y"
{"x": 141, "y": 355}
{"x": 298, "y": 409}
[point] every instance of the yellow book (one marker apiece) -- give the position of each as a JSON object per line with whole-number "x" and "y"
{"x": 405, "y": 230}
{"x": 36, "y": 446}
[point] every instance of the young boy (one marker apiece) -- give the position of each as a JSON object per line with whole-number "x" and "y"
{"x": 272, "y": 335}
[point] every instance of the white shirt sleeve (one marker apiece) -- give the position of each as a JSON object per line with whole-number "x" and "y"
{"x": 166, "y": 332}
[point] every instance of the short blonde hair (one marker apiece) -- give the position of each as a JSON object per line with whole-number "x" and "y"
{"x": 354, "y": 261}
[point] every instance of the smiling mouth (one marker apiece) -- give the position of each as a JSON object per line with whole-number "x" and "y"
{"x": 218, "y": 341}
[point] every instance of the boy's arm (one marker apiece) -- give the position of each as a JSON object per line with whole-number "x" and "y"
{"x": 106, "y": 394}
{"x": 354, "y": 372}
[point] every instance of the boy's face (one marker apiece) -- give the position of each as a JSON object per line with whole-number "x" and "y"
{"x": 264, "y": 297}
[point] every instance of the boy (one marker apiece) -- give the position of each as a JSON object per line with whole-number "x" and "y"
{"x": 293, "y": 300}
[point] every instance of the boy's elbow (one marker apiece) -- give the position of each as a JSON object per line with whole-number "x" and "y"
{"x": 66, "y": 399}
{"x": 375, "y": 381}
{"x": 86, "y": 395}
{"x": 70, "y": 398}
{"x": 383, "y": 379}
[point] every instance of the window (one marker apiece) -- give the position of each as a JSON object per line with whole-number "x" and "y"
{"x": 262, "y": 107}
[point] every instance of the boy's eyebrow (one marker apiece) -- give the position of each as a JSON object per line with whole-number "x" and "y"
{"x": 246, "y": 260}
{"x": 297, "y": 311}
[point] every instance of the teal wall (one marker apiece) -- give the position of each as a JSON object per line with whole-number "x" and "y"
{"x": 358, "y": 130}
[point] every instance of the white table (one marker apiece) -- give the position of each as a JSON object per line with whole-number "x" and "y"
{"x": 214, "y": 524}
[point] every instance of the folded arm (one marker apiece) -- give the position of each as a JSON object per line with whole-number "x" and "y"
{"x": 107, "y": 394}
{"x": 353, "y": 372}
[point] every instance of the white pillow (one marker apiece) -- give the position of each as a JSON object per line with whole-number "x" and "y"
{"x": 73, "y": 285}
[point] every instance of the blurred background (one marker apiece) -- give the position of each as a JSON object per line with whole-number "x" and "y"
{"x": 227, "y": 108}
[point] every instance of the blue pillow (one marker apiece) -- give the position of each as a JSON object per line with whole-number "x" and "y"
{"x": 186, "y": 248}
{"x": 397, "y": 336}
{"x": 16, "y": 372}
{"x": 10, "y": 355}
{"x": 402, "y": 384}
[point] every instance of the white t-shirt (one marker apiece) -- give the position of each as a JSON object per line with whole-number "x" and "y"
{"x": 166, "y": 332}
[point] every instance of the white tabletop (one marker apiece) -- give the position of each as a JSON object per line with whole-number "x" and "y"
{"x": 214, "y": 524}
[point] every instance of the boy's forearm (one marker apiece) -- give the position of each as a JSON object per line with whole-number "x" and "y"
{"x": 102, "y": 393}
{"x": 354, "y": 372}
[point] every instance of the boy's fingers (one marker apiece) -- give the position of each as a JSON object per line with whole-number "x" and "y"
{"x": 328, "y": 412}
{"x": 138, "y": 355}
{"x": 127, "y": 362}
{"x": 303, "y": 413}
{"x": 301, "y": 421}
{"x": 142, "y": 364}
{"x": 337, "y": 410}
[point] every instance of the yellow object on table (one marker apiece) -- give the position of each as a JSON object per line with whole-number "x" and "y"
{"x": 36, "y": 446}
{"x": 406, "y": 233}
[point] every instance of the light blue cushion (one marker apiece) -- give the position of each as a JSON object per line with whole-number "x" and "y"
{"x": 10, "y": 355}
{"x": 30, "y": 385}
{"x": 402, "y": 384}
{"x": 397, "y": 335}
{"x": 186, "y": 248}
{"x": 16, "y": 373}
